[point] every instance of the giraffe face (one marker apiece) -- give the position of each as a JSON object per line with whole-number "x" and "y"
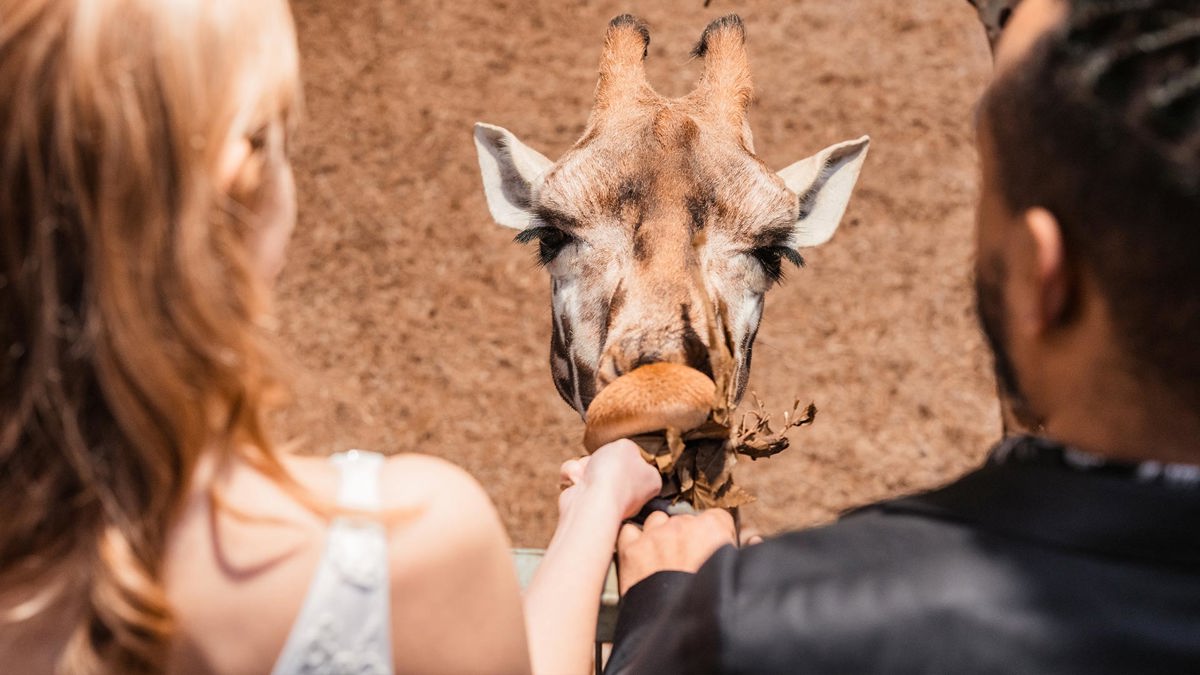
{"x": 657, "y": 240}
{"x": 660, "y": 229}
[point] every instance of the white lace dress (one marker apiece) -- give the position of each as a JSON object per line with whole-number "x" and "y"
{"x": 344, "y": 627}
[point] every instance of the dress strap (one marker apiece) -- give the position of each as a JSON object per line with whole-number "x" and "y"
{"x": 359, "y": 487}
{"x": 344, "y": 627}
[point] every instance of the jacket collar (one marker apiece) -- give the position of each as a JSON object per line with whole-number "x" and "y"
{"x": 1029, "y": 495}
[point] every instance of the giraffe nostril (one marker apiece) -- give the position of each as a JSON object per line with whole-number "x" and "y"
{"x": 695, "y": 354}
{"x": 646, "y": 359}
{"x": 608, "y": 371}
{"x": 703, "y": 364}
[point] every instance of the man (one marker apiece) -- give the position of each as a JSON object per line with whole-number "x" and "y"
{"x": 1075, "y": 552}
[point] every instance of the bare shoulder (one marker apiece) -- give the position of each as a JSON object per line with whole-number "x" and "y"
{"x": 454, "y": 597}
{"x": 455, "y": 600}
{"x": 444, "y": 489}
{"x": 419, "y": 492}
{"x": 439, "y": 504}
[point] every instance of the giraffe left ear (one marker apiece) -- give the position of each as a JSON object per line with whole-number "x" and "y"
{"x": 824, "y": 183}
{"x": 511, "y": 173}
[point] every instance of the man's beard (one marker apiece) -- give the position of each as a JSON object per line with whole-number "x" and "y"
{"x": 990, "y": 308}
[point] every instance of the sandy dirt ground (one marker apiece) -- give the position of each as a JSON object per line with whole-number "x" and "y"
{"x": 416, "y": 325}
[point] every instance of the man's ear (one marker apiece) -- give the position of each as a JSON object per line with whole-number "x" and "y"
{"x": 1053, "y": 281}
{"x": 824, "y": 183}
{"x": 511, "y": 172}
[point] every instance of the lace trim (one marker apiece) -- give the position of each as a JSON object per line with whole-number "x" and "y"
{"x": 344, "y": 627}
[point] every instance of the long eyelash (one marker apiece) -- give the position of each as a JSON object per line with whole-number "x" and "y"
{"x": 791, "y": 255}
{"x": 771, "y": 257}
{"x": 528, "y": 235}
{"x": 551, "y": 241}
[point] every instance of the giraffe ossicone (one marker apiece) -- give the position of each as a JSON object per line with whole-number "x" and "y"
{"x": 661, "y": 229}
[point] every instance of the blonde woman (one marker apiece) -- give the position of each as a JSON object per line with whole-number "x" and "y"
{"x": 147, "y": 522}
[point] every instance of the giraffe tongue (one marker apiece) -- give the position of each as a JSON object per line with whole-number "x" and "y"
{"x": 655, "y": 397}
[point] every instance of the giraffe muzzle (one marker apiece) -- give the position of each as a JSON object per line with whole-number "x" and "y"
{"x": 652, "y": 398}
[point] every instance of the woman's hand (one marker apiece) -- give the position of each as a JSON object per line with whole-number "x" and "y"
{"x": 562, "y": 601}
{"x": 616, "y": 475}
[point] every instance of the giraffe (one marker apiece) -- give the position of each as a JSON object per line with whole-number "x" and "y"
{"x": 661, "y": 222}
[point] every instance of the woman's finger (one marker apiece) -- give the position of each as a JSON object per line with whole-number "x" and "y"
{"x": 572, "y": 471}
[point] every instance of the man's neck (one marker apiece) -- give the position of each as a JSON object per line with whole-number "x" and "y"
{"x": 1089, "y": 394}
{"x": 1122, "y": 422}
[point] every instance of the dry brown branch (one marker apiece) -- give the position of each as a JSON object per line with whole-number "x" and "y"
{"x": 756, "y": 439}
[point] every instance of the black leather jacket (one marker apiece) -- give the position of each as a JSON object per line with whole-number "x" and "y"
{"x": 1027, "y": 565}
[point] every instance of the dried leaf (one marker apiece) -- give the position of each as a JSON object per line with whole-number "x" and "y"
{"x": 710, "y": 461}
{"x": 675, "y": 446}
{"x": 731, "y": 496}
{"x": 703, "y": 494}
{"x": 685, "y": 473}
{"x": 670, "y": 489}
{"x": 756, "y": 439}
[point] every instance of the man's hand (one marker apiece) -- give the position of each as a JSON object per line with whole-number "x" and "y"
{"x": 681, "y": 543}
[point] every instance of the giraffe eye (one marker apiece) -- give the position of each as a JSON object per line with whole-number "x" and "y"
{"x": 771, "y": 258}
{"x": 551, "y": 241}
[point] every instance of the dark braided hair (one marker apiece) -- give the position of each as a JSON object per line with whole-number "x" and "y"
{"x": 1100, "y": 124}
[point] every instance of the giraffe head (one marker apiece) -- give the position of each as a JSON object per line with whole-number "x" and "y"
{"x": 660, "y": 228}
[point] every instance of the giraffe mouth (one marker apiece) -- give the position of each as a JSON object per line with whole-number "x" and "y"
{"x": 677, "y": 417}
{"x": 653, "y": 398}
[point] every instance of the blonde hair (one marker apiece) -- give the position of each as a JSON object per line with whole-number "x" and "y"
{"x": 133, "y": 338}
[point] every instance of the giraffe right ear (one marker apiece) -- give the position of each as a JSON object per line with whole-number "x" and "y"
{"x": 824, "y": 183}
{"x": 511, "y": 172}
